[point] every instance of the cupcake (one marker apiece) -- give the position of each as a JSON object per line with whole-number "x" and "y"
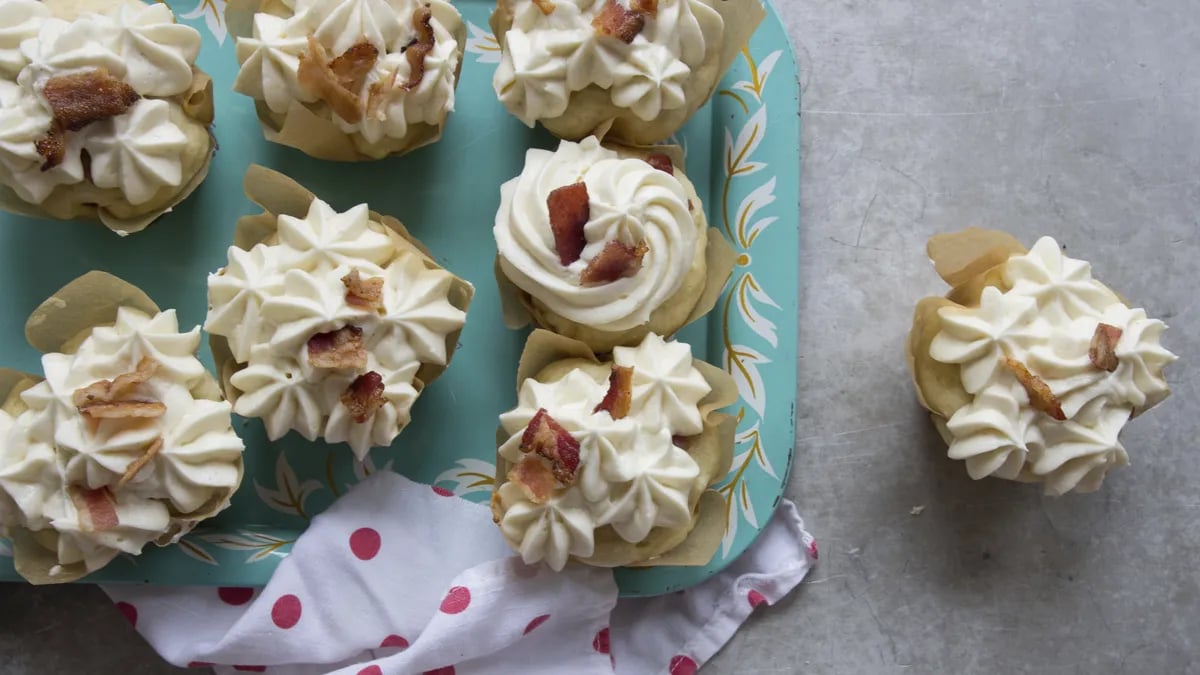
{"x": 104, "y": 115}
{"x": 329, "y": 323}
{"x": 606, "y": 245}
{"x": 1030, "y": 366}
{"x": 609, "y": 463}
{"x": 126, "y": 440}
{"x": 349, "y": 80}
{"x": 638, "y": 69}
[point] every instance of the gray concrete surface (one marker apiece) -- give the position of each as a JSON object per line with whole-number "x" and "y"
{"x": 1076, "y": 118}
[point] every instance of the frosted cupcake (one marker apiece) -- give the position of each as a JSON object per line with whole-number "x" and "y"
{"x": 349, "y": 80}
{"x": 126, "y": 441}
{"x": 606, "y": 245}
{"x": 1030, "y": 366}
{"x": 103, "y": 114}
{"x": 329, "y": 323}
{"x": 608, "y": 463}
{"x": 637, "y": 70}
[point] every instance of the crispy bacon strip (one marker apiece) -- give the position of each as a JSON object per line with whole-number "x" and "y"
{"x": 363, "y": 293}
{"x": 116, "y": 399}
{"x": 97, "y": 509}
{"x": 140, "y": 463}
{"x": 547, "y": 438}
{"x": 77, "y": 100}
{"x": 615, "y": 20}
{"x": 364, "y": 397}
{"x": 616, "y": 261}
{"x": 342, "y": 348}
{"x": 420, "y": 48}
{"x": 316, "y": 75}
{"x": 661, "y": 162}
{"x": 683, "y": 442}
{"x": 569, "y": 212}
{"x": 647, "y": 7}
{"x": 353, "y": 66}
{"x": 1040, "y": 395}
{"x": 535, "y": 478}
{"x": 620, "y": 392}
{"x": 547, "y": 6}
{"x": 1103, "y": 350}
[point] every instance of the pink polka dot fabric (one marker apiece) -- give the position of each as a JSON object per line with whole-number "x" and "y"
{"x": 367, "y": 593}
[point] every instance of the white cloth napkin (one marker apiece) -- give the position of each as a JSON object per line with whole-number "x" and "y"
{"x": 395, "y": 579}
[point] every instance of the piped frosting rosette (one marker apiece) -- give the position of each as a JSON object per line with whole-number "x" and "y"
{"x": 609, "y": 463}
{"x": 349, "y": 80}
{"x": 103, "y": 113}
{"x": 1030, "y": 366}
{"x": 328, "y": 323}
{"x": 606, "y": 244}
{"x": 125, "y": 441}
{"x": 637, "y": 69}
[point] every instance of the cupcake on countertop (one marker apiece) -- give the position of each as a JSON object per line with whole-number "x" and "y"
{"x": 606, "y": 245}
{"x": 126, "y": 441}
{"x": 1030, "y": 366}
{"x": 104, "y": 114}
{"x": 329, "y": 323}
{"x": 637, "y": 69}
{"x": 349, "y": 80}
{"x": 608, "y": 463}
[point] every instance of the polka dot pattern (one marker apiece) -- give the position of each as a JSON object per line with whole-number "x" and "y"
{"x": 235, "y": 596}
{"x": 371, "y": 670}
{"x": 129, "y": 612}
{"x": 365, "y": 543}
{"x": 683, "y": 665}
{"x": 250, "y": 669}
{"x": 456, "y": 601}
{"x": 199, "y": 664}
{"x": 442, "y": 492}
{"x": 286, "y": 611}
{"x": 445, "y": 670}
{"x": 812, "y": 550}
{"x": 393, "y": 642}
{"x": 535, "y": 623}
{"x": 756, "y": 599}
{"x": 602, "y": 642}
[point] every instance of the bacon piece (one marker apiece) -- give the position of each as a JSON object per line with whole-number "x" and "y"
{"x": 1103, "y": 350}
{"x": 620, "y": 392}
{"x": 140, "y": 463}
{"x": 116, "y": 399}
{"x": 616, "y": 261}
{"x": 1040, "y": 396}
{"x": 364, "y": 396}
{"x": 77, "y": 100}
{"x": 377, "y": 94}
{"x": 342, "y": 348}
{"x": 615, "y": 20}
{"x": 683, "y": 442}
{"x": 316, "y": 75}
{"x": 124, "y": 410}
{"x": 535, "y": 478}
{"x": 661, "y": 162}
{"x": 419, "y": 48}
{"x": 569, "y": 212}
{"x": 363, "y": 293}
{"x": 353, "y": 66}
{"x": 547, "y": 438}
{"x": 647, "y": 7}
{"x": 97, "y": 510}
{"x": 547, "y": 6}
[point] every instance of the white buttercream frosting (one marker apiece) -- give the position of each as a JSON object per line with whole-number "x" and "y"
{"x": 630, "y": 201}
{"x": 549, "y": 57}
{"x": 1046, "y": 321}
{"x": 270, "y": 60}
{"x": 138, "y": 152}
{"x": 270, "y": 301}
{"x": 631, "y": 475}
{"x": 51, "y": 449}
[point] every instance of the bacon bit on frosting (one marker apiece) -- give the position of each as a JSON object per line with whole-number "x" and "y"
{"x": 363, "y": 293}
{"x": 569, "y": 212}
{"x": 364, "y": 396}
{"x": 140, "y": 463}
{"x": 316, "y": 75}
{"x": 548, "y": 439}
{"x": 1040, "y": 395}
{"x": 115, "y": 399}
{"x": 342, "y": 348}
{"x": 420, "y": 48}
{"x": 1103, "y": 350}
{"x": 547, "y": 6}
{"x": 616, "y": 261}
{"x": 77, "y": 100}
{"x": 661, "y": 162}
{"x": 615, "y": 20}
{"x": 535, "y": 478}
{"x": 620, "y": 392}
{"x": 97, "y": 509}
{"x": 647, "y": 7}
{"x": 353, "y": 66}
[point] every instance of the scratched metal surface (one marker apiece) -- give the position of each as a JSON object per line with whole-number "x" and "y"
{"x": 1076, "y": 118}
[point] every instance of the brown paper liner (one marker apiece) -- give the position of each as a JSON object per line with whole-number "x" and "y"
{"x": 279, "y": 195}
{"x": 521, "y": 309}
{"x": 86, "y": 202}
{"x": 591, "y": 110}
{"x": 548, "y": 357}
{"x": 309, "y": 127}
{"x": 60, "y": 324}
